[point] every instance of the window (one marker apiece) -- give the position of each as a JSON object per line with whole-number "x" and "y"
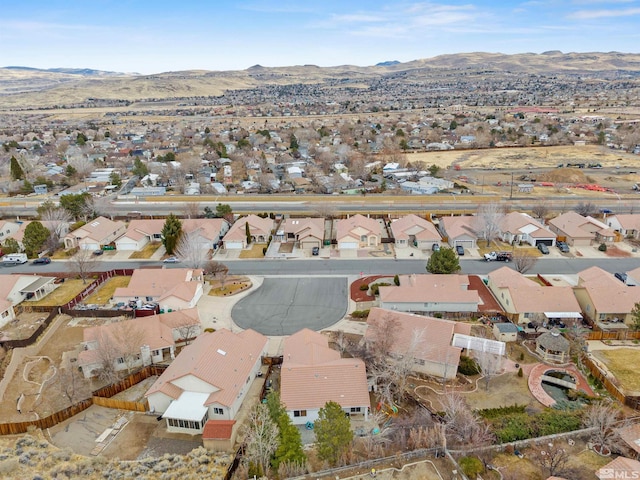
{"x": 299, "y": 413}
{"x": 363, "y": 238}
{"x": 120, "y": 360}
{"x": 149, "y": 299}
{"x": 419, "y": 361}
{"x": 218, "y": 411}
{"x": 527, "y": 315}
{"x": 155, "y": 353}
{"x": 355, "y": 409}
{"x": 602, "y": 316}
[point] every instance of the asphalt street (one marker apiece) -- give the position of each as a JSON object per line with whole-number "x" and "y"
{"x": 282, "y": 306}
{"x": 338, "y": 267}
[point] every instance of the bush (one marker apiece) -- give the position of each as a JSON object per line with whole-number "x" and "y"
{"x": 264, "y": 250}
{"x": 396, "y": 280}
{"x": 602, "y": 247}
{"x": 375, "y": 288}
{"x": 364, "y": 287}
{"x": 360, "y": 313}
{"x": 468, "y": 366}
{"x": 471, "y": 466}
{"x": 520, "y": 374}
{"x": 521, "y": 356}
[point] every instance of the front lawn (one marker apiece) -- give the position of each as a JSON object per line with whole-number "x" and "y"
{"x": 147, "y": 251}
{"x": 254, "y": 252}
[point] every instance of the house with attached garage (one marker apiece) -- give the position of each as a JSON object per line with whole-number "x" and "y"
{"x": 16, "y": 288}
{"x": 95, "y": 234}
{"x": 429, "y": 340}
{"x": 430, "y": 294}
{"x": 135, "y": 343}
{"x": 208, "y": 380}
{"x": 524, "y": 300}
{"x": 581, "y": 231}
{"x": 604, "y": 299}
{"x": 260, "y": 229}
{"x": 208, "y": 232}
{"x": 358, "y": 231}
{"x": 459, "y": 231}
{"x": 313, "y": 374}
{"x": 171, "y": 288}
{"x": 414, "y": 231}
{"x": 305, "y": 232}
{"x": 516, "y": 227}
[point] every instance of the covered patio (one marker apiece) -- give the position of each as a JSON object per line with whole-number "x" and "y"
{"x": 39, "y": 288}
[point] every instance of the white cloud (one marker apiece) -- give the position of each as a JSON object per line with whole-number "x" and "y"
{"x": 610, "y": 13}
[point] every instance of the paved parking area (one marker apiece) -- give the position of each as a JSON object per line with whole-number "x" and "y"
{"x": 282, "y": 306}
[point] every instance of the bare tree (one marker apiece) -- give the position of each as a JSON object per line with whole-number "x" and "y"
{"x": 107, "y": 353}
{"x": 261, "y": 437}
{"x": 129, "y": 337}
{"x": 188, "y": 329}
{"x": 603, "y": 417}
{"x": 191, "y": 251}
{"x": 219, "y": 271}
{"x": 585, "y": 208}
{"x": 56, "y": 220}
{"x": 540, "y": 209}
{"x": 487, "y": 222}
{"x": 523, "y": 261}
{"x": 191, "y": 209}
{"x": 83, "y": 263}
{"x": 552, "y": 459}
{"x": 462, "y": 425}
{"x": 490, "y": 364}
{"x": 325, "y": 210}
{"x": 70, "y": 384}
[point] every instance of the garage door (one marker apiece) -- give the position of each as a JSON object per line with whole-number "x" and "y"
{"x": 348, "y": 245}
{"x": 310, "y": 244}
{"x": 126, "y": 246}
{"x": 463, "y": 243}
{"x": 548, "y": 243}
{"x": 233, "y": 245}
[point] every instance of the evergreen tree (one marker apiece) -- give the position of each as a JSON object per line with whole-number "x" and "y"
{"x": 333, "y": 432}
{"x": 16, "y": 170}
{"x": 10, "y": 246}
{"x": 171, "y": 232}
{"x": 75, "y": 203}
{"x": 444, "y": 260}
{"x": 70, "y": 171}
{"x": 35, "y": 236}
{"x": 247, "y": 232}
{"x": 115, "y": 179}
{"x": 139, "y": 168}
{"x": 290, "y": 442}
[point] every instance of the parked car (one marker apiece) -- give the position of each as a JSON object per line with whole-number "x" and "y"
{"x": 97, "y": 252}
{"x": 498, "y": 256}
{"x": 621, "y": 276}
{"x": 460, "y": 250}
{"x": 315, "y": 251}
{"x": 41, "y": 261}
{"x": 171, "y": 260}
{"x": 563, "y": 247}
{"x": 543, "y": 249}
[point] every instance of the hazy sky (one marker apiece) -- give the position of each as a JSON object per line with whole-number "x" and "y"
{"x": 158, "y": 36}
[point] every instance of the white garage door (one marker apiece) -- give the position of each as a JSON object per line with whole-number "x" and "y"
{"x": 463, "y": 243}
{"x": 127, "y": 246}
{"x": 348, "y": 245}
{"x": 237, "y": 245}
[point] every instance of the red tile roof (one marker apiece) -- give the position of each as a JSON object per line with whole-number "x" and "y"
{"x": 218, "y": 429}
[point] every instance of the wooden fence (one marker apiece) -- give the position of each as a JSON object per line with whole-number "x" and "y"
{"x": 617, "y": 335}
{"x": 25, "y": 342}
{"x": 100, "y": 397}
{"x": 614, "y": 390}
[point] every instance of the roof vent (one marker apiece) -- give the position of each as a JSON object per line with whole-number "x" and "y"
{"x": 555, "y": 334}
{"x": 221, "y": 352}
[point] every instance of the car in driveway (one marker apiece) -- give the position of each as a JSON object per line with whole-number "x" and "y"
{"x": 41, "y": 261}
{"x": 171, "y": 260}
{"x": 621, "y": 276}
{"x": 543, "y": 249}
{"x": 97, "y": 252}
{"x": 460, "y": 250}
{"x": 563, "y": 247}
{"x": 315, "y": 251}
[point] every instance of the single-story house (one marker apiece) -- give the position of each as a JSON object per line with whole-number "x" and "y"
{"x": 208, "y": 232}
{"x": 94, "y": 234}
{"x": 313, "y": 374}
{"x": 527, "y": 301}
{"x": 518, "y": 227}
{"x": 434, "y": 355}
{"x": 139, "y": 342}
{"x": 459, "y": 231}
{"x": 428, "y": 293}
{"x": 414, "y": 231}
{"x": 605, "y": 299}
{"x": 208, "y": 380}
{"x": 358, "y": 231}
{"x": 505, "y": 332}
{"x": 627, "y": 224}
{"x": 8, "y": 229}
{"x": 171, "y": 288}
{"x": 306, "y": 232}
{"x": 580, "y": 231}
{"x": 16, "y": 288}
{"x": 260, "y": 229}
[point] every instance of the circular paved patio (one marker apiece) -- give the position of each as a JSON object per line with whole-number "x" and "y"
{"x": 282, "y": 306}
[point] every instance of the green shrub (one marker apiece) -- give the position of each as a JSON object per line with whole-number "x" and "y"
{"x": 520, "y": 374}
{"x": 360, "y": 313}
{"x": 602, "y": 247}
{"x": 499, "y": 412}
{"x": 468, "y": 366}
{"x": 364, "y": 287}
{"x": 471, "y": 466}
{"x": 375, "y": 288}
{"x": 396, "y": 280}
{"x": 521, "y": 356}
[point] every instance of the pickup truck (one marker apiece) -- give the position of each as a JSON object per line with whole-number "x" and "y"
{"x": 498, "y": 256}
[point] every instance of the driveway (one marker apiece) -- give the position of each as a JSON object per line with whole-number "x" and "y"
{"x": 282, "y": 306}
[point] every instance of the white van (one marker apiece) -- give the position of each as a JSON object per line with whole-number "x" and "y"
{"x": 14, "y": 259}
